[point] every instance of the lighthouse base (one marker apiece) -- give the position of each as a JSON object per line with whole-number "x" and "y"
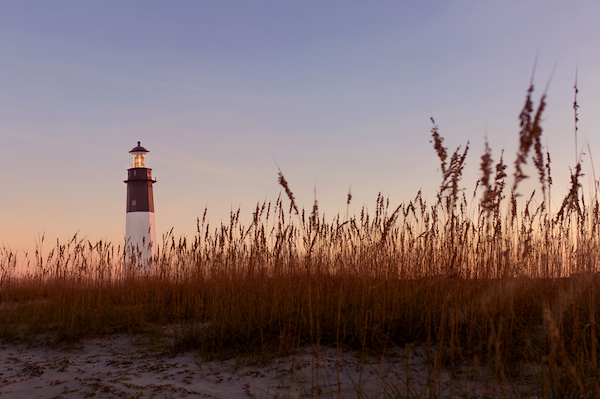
{"x": 140, "y": 241}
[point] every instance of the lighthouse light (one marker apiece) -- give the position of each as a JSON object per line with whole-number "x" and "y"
{"x": 140, "y": 161}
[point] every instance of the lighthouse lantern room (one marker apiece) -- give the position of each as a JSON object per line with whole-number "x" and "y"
{"x": 138, "y": 157}
{"x": 140, "y": 228}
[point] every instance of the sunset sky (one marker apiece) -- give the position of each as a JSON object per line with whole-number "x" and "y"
{"x": 338, "y": 94}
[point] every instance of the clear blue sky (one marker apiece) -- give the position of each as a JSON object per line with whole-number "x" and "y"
{"x": 336, "y": 93}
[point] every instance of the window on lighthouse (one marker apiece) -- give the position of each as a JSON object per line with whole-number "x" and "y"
{"x": 140, "y": 162}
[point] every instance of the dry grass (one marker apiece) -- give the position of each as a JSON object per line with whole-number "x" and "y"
{"x": 504, "y": 290}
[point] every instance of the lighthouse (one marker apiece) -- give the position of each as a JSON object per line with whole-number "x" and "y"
{"x": 140, "y": 231}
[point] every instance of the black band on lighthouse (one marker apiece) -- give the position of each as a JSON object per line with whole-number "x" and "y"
{"x": 139, "y": 190}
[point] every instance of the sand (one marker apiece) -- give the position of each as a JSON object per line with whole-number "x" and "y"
{"x": 122, "y": 366}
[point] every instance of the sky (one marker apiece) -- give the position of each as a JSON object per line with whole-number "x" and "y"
{"x": 336, "y": 94}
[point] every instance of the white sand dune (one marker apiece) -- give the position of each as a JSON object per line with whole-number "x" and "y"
{"x": 124, "y": 367}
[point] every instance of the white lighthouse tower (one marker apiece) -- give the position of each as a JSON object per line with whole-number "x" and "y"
{"x": 140, "y": 231}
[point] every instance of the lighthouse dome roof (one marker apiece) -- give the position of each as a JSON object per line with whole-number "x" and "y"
{"x": 139, "y": 148}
